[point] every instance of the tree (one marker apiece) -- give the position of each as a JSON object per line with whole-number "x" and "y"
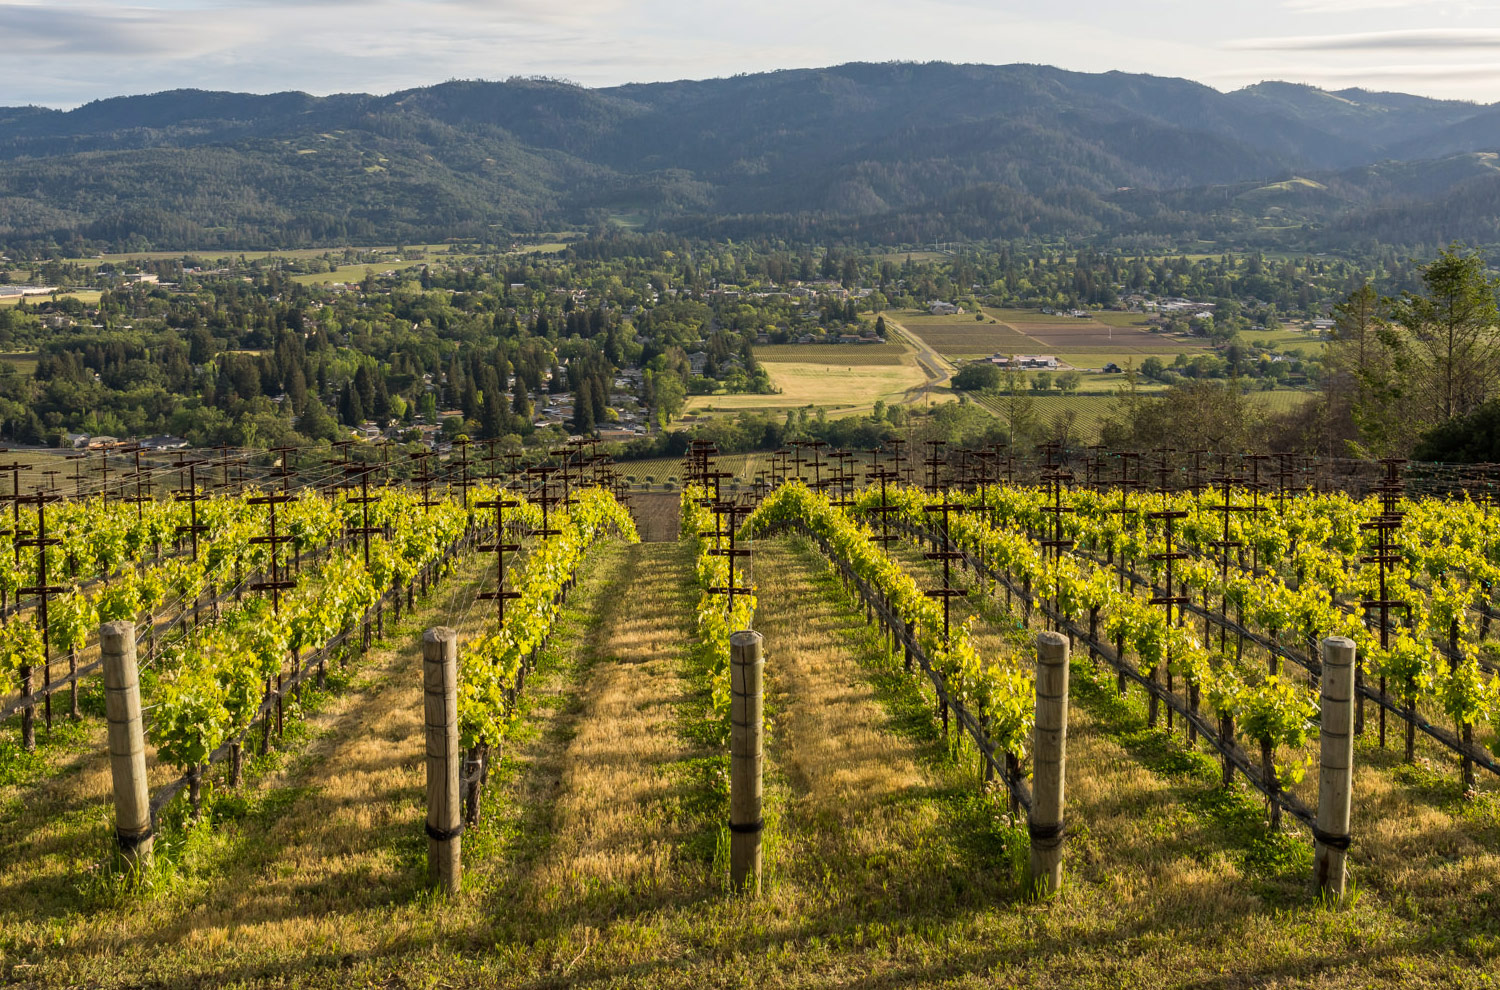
{"x": 520, "y": 399}
{"x": 670, "y": 394}
{"x": 315, "y": 423}
{"x": 1452, "y": 328}
{"x": 296, "y": 390}
{"x": 1470, "y": 439}
{"x": 1360, "y": 384}
{"x": 1069, "y": 381}
{"x": 1042, "y": 381}
{"x": 1018, "y": 408}
{"x": 977, "y": 376}
{"x": 351, "y": 410}
{"x": 583, "y": 408}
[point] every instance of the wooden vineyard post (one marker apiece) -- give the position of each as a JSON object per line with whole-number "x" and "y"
{"x": 746, "y": 757}
{"x": 444, "y": 802}
{"x": 1387, "y": 553}
{"x": 42, "y": 590}
{"x": 1336, "y": 768}
{"x": 127, "y": 744}
{"x": 1049, "y": 769}
{"x": 947, "y": 592}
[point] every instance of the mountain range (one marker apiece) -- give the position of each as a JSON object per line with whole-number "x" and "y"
{"x": 882, "y": 153}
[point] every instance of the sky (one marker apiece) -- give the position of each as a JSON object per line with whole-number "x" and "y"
{"x": 62, "y": 53}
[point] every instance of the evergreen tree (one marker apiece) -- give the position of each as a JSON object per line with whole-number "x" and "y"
{"x": 583, "y": 408}
{"x": 520, "y": 400}
{"x": 351, "y": 410}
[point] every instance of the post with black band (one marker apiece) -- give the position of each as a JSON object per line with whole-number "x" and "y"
{"x": 1336, "y": 769}
{"x": 127, "y": 744}
{"x": 444, "y": 805}
{"x": 746, "y": 759}
{"x": 1050, "y": 763}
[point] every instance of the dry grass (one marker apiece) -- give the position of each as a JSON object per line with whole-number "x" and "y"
{"x": 656, "y": 515}
{"x": 89, "y": 297}
{"x": 616, "y": 836}
{"x": 846, "y": 775}
{"x": 832, "y": 354}
{"x": 842, "y": 383}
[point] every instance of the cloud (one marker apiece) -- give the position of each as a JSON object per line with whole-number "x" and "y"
{"x": 1427, "y": 38}
{"x": 54, "y": 30}
{"x": 1351, "y": 6}
{"x": 1424, "y": 72}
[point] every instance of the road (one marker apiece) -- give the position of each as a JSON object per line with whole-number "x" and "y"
{"x": 937, "y": 368}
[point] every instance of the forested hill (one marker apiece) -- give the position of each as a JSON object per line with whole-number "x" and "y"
{"x": 889, "y": 152}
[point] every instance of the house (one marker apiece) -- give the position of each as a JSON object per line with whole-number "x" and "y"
{"x": 10, "y": 291}
{"x": 1112, "y": 369}
{"x": 1032, "y": 362}
{"x": 164, "y": 443}
{"x": 1036, "y": 361}
{"x": 944, "y": 309}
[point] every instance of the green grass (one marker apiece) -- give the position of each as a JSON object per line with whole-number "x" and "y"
{"x": 23, "y": 361}
{"x": 1309, "y": 341}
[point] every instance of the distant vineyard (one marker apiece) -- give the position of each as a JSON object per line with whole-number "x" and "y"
{"x": 668, "y": 471}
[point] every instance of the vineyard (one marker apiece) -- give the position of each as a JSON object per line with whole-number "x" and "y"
{"x": 1090, "y": 721}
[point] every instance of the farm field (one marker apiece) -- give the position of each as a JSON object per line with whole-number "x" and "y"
{"x": 842, "y": 379}
{"x": 961, "y": 336}
{"x": 1091, "y": 410}
{"x": 599, "y": 852}
{"x": 85, "y": 296}
{"x": 343, "y": 273}
{"x": 668, "y": 470}
{"x": 1024, "y": 332}
{"x": 214, "y": 254}
{"x": 23, "y": 361}
{"x": 1310, "y": 342}
{"x": 833, "y": 354}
